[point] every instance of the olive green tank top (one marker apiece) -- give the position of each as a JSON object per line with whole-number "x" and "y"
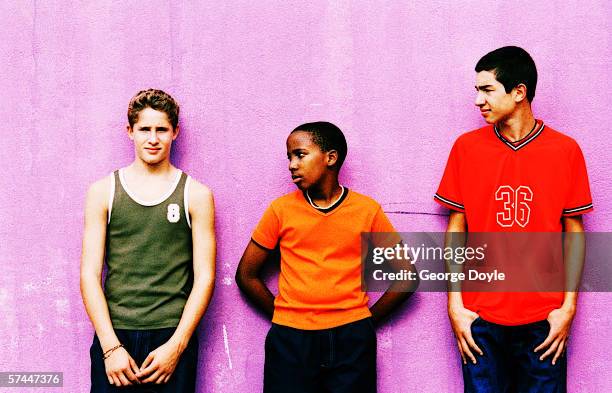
{"x": 148, "y": 257}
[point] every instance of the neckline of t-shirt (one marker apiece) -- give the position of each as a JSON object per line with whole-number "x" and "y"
{"x": 522, "y": 142}
{"x": 142, "y": 202}
{"x": 335, "y": 208}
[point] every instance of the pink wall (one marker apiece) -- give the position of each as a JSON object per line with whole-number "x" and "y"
{"x": 397, "y": 77}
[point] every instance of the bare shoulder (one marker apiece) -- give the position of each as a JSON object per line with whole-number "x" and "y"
{"x": 98, "y": 192}
{"x": 200, "y": 196}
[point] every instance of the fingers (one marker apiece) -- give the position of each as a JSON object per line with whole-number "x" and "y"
{"x": 153, "y": 377}
{"x": 147, "y": 361}
{"x": 118, "y": 379}
{"x": 470, "y": 340}
{"x": 559, "y": 352}
{"x": 146, "y": 372}
{"x": 161, "y": 379}
{"x": 134, "y": 366}
{"x": 461, "y": 352}
{"x": 133, "y": 371}
{"x": 466, "y": 344}
{"x": 466, "y": 350}
{"x": 147, "y": 368}
{"x": 130, "y": 375}
{"x": 549, "y": 339}
{"x": 551, "y": 349}
{"x": 123, "y": 379}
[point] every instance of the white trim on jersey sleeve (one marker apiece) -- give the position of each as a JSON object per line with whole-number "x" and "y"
{"x": 578, "y": 209}
{"x": 111, "y": 196}
{"x": 448, "y": 201}
{"x": 186, "y": 200}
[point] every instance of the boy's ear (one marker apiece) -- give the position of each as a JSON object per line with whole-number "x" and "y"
{"x": 130, "y": 131}
{"x": 519, "y": 93}
{"x": 175, "y": 132}
{"x": 332, "y": 157}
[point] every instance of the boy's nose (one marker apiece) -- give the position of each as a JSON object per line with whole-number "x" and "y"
{"x": 153, "y": 138}
{"x": 479, "y": 101}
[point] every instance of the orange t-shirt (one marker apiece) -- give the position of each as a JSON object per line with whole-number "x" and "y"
{"x": 319, "y": 286}
{"x": 527, "y": 186}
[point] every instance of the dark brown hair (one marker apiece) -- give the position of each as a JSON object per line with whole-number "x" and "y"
{"x": 154, "y": 99}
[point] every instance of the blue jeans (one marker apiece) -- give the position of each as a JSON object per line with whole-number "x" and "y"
{"x": 139, "y": 343}
{"x": 509, "y": 363}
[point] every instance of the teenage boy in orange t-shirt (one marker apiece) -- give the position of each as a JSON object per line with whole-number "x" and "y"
{"x": 322, "y": 336}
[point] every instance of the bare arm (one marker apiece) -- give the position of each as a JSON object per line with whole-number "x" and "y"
{"x": 388, "y": 303}
{"x": 455, "y": 234}
{"x": 574, "y": 252}
{"x": 161, "y": 362}
{"x": 561, "y": 319}
{"x": 461, "y": 318}
{"x": 248, "y": 280}
{"x": 397, "y": 293}
{"x": 120, "y": 367}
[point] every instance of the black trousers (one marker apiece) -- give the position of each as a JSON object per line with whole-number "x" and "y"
{"x": 338, "y": 360}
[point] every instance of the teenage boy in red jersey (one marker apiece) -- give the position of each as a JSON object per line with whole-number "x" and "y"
{"x": 153, "y": 226}
{"x": 513, "y": 175}
{"x": 322, "y": 336}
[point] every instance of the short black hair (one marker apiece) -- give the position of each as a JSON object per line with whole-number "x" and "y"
{"x": 327, "y": 136}
{"x": 512, "y": 66}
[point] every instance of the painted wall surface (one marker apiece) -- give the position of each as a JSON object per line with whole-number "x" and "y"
{"x": 397, "y": 77}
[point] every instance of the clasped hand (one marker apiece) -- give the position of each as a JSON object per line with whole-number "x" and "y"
{"x": 158, "y": 367}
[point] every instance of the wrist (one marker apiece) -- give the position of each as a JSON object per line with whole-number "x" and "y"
{"x": 454, "y": 307}
{"x": 455, "y": 301}
{"x": 569, "y": 307}
{"x": 179, "y": 343}
{"x": 109, "y": 343}
{"x": 106, "y": 354}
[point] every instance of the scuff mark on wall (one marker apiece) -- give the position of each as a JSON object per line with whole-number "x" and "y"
{"x": 227, "y": 349}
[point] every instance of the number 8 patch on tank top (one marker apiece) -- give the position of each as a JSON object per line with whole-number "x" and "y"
{"x": 174, "y": 213}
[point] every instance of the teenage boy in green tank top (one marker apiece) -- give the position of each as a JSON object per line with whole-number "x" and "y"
{"x": 154, "y": 228}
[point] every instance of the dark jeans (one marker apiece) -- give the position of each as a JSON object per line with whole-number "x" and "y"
{"x": 509, "y": 363}
{"x": 139, "y": 343}
{"x": 339, "y": 360}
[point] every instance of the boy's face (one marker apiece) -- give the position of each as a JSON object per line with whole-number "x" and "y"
{"x": 152, "y": 135}
{"x": 491, "y": 97}
{"x": 307, "y": 163}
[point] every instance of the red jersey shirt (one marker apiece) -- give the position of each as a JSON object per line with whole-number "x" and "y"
{"x": 525, "y": 186}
